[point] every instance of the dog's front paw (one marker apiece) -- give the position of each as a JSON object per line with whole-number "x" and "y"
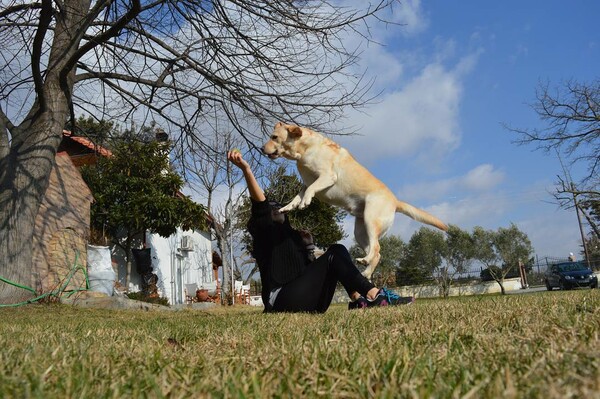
{"x": 305, "y": 202}
{"x": 292, "y": 205}
{"x": 287, "y": 208}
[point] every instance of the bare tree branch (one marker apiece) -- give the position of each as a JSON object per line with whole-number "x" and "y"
{"x": 18, "y": 9}
{"x": 103, "y": 36}
{"x": 44, "y": 23}
{"x": 571, "y": 113}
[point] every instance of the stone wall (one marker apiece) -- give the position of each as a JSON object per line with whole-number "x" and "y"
{"x": 62, "y": 228}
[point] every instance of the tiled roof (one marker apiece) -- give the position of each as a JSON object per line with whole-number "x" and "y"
{"x": 88, "y": 143}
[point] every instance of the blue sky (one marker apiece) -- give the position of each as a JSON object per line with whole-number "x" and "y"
{"x": 451, "y": 77}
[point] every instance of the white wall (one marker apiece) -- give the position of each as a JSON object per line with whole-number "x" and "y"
{"x": 483, "y": 287}
{"x": 176, "y": 267}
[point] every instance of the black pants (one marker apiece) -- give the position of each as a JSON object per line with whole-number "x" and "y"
{"x": 313, "y": 290}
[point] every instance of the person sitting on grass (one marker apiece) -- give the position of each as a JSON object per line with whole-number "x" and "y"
{"x": 293, "y": 281}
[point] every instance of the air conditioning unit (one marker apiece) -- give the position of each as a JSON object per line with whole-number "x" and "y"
{"x": 187, "y": 244}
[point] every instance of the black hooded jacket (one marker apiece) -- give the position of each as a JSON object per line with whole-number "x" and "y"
{"x": 278, "y": 249}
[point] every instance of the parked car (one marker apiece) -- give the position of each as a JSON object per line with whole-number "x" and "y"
{"x": 569, "y": 275}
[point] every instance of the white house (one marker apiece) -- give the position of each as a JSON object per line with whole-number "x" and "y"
{"x": 183, "y": 258}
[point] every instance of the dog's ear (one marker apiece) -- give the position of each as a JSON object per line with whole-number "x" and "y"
{"x": 278, "y": 125}
{"x": 295, "y": 132}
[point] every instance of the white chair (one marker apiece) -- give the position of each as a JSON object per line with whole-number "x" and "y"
{"x": 237, "y": 285}
{"x": 242, "y": 292}
{"x": 237, "y": 290}
{"x": 246, "y": 294}
{"x": 190, "y": 292}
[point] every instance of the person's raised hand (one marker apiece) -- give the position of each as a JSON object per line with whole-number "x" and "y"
{"x": 235, "y": 157}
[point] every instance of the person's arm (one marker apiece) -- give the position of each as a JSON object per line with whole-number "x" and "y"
{"x": 256, "y": 193}
{"x": 308, "y": 241}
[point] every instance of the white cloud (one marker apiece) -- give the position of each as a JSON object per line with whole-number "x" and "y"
{"x": 521, "y": 51}
{"x": 422, "y": 116}
{"x": 479, "y": 179}
{"x": 483, "y": 177}
{"x": 384, "y": 66}
{"x": 407, "y": 13}
{"x": 411, "y": 14}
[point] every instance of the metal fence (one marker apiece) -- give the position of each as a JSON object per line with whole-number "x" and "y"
{"x": 541, "y": 264}
{"x": 535, "y": 272}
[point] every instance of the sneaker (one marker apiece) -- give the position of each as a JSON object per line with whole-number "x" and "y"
{"x": 386, "y": 297}
{"x": 360, "y": 303}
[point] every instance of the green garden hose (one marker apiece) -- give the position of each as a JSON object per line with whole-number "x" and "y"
{"x": 56, "y": 292}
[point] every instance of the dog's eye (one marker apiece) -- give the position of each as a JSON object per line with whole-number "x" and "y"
{"x": 273, "y": 137}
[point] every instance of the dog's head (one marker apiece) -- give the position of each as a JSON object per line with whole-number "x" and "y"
{"x": 283, "y": 142}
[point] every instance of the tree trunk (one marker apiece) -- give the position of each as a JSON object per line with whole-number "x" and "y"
{"x": 127, "y": 261}
{"x": 24, "y": 176}
{"x": 224, "y": 249}
{"x": 227, "y": 286}
{"x": 501, "y": 284}
{"x": 18, "y": 209}
{"x": 26, "y": 160}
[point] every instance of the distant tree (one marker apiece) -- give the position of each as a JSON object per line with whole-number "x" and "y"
{"x": 458, "y": 254}
{"x": 483, "y": 242}
{"x": 136, "y": 190}
{"x": 590, "y": 209}
{"x": 586, "y": 204}
{"x": 423, "y": 256}
{"x": 501, "y": 251}
{"x": 593, "y": 208}
{"x": 392, "y": 251}
{"x": 513, "y": 246}
{"x": 411, "y": 273}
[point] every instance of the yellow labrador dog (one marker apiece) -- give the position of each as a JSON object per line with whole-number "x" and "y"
{"x": 332, "y": 175}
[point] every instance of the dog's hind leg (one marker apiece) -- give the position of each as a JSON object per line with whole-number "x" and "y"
{"x": 367, "y": 236}
{"x": 377, "y": 218}
{"x": 361, "y": 237}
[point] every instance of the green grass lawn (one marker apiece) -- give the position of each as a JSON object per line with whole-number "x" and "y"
{"x": 543, "y": 345}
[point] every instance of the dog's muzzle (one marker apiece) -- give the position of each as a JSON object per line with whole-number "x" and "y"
{"x": 272, "y": 155}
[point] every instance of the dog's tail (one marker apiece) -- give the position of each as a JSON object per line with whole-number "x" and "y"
{"x": 420, "y": 215}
